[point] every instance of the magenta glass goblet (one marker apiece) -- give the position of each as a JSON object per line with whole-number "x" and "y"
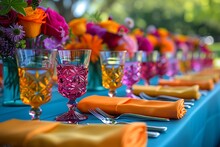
{"x": 196, "y": 61}
{"x": 148, "y": 66}
{"x": 132, "y": 69}
{"x": 72, "y": 73}
{"x": 162, "y": 65}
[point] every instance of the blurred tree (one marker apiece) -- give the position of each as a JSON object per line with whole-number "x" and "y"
{"x": 190, "y": 17}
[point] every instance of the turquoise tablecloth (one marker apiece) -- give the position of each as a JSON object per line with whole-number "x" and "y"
{"x": 200, "y": 127}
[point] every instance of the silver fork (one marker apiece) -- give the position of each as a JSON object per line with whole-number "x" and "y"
{"x": 150, "y": 128}
{"x": 187, "y": 105}
{"x": 107, "y": 120}
{"x": 132, "y": 115}
{"x": 112, "y": 121}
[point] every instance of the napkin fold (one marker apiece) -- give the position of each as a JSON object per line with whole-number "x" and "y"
{"x": 205, "y": 76}
{"x": 204, "y": 84}
{"x": 184, "y": 92}
{"x": 19, "y": 133}
{"x": 119, "y": 105}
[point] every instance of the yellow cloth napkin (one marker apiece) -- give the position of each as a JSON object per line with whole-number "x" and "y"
{"x": 204, "y": 84}
{"x": 20, "y": 133}
{"x": 184, "y": 92}
{"x": 119, "y": 105}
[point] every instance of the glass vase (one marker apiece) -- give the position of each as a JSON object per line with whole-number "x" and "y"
{"x": 11, "y": 91}
{"x": 95, "y": 77}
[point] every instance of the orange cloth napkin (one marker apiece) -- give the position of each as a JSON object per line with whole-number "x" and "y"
{"x": 200, "y": 76}
{"x": 204, "y": 84}
{"x": 119, "y": 105}
{"x": 184, "y": 92}
{"x": 20, "y": 133}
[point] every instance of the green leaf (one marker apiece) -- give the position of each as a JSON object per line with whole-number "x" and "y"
{"x": 4, "y": 9}
{"x": 17, "y": 5}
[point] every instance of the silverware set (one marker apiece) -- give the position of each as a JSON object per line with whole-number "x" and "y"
{"x": 153, "y": 131}
{"x": 188, "y": 103}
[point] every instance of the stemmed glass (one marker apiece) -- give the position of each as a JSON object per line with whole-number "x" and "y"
{"x": 148, "y": 66}
{"x": 132, "y": 71}
{"x": 35, "y": 69}
{"x": 72, "y": 74}
{"x": 112, "y": 64}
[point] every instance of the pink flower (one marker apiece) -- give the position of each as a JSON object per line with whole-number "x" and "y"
{"x": 8, "y": 19}
{"x": 130, "y": 43}
{"x": 55, "y": 25}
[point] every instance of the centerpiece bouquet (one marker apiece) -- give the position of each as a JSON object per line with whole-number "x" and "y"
{"x": 25, "y": 24}
{"x": 99, "y": 35}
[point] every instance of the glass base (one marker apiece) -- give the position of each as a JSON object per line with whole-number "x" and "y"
{"x": 14, "y": 103}
{"x": 71, "y": 117}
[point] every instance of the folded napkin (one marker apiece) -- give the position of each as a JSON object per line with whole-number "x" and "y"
{"x": 184, "y": 92}
{"x": 200, "y": 76}
{"x": 18, "y": 133}
{"x": 204, "y": 84}
{"x": 119, "y": 105}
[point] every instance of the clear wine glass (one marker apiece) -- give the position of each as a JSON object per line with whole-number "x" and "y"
{"x": 112, "y": 64}
{"x": 72, "y": 74}
{"x": 148, "y": 66}
{"x": 132, "y": 69}
{"x": 35, "y": 69}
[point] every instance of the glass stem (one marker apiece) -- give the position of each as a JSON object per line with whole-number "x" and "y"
{"x": 71, "y": 105}
{"x": 129, "y": 92}
{"x": 146, "y": 82}
{"x": 112, "y": 92}
{"x": 35, "y": 113}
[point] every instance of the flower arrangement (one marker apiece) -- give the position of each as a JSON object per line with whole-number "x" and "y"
{"x": 161, "y": 40}
{"x": 97, "y": 36}
{"x": 24, "y": 24}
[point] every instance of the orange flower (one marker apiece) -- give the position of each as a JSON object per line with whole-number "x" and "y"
{"x": 88, "y": 41}
{"x": 153, "y": 40}
{"x": 181, "y": 38}
{"x": 163, "y": 32}
{"x": 110, "y": 25}
{"x": 32, "y": 21}
{"x": 138, "y": 32}
{"x": 78, "y": 26}
{"x": 166, "y": 45}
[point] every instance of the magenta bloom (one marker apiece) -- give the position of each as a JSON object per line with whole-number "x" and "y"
{"x": 8, "y": 19}
{"x": 204, "y": 48}
{"x": 144, "y": 44}
{"x": 55, "y": 25}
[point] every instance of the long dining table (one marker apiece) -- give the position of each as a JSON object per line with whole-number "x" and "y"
{"x": 200, "y": 127}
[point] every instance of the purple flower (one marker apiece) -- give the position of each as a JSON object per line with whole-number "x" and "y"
{"x": 94, "y": 29}
{"x": 15, "y": 33}
{"x": 7, "y": 47}
{"x": 2, "y": 32}
{"x": 50, "y": 43}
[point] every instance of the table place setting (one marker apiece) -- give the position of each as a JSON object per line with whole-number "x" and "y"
{"x": 101, "y": 83}
{"x": 45, "y": 133}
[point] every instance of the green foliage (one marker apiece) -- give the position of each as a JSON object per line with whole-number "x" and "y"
{"x": 95, "y": 17}
{"x": 21, "y": 44}
{"x": 35, "y": 4}
{"x": 17, "y": 5}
